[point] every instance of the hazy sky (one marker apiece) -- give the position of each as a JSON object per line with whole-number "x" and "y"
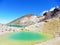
{"x": 12, "y": 9}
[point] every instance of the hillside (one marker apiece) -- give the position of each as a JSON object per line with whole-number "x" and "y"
{"x": 52, "y": 27}
{"x": 30, "y": 19}
{"x": 27, "y": 20}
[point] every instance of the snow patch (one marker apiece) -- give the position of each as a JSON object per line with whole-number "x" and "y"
{"x": 44, "y": 11}
{"x": 52, "y": 9}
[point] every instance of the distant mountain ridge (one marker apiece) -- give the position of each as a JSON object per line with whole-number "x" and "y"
{"x": 27, "y": 20}
{"x": 32, "y": 19}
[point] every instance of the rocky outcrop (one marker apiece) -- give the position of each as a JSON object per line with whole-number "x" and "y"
{"x": 7, "y": 29}
{"x": 35, "y": 27}
{"x": 52, "y": 14}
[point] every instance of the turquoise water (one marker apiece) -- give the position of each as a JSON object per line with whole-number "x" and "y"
{"x": 28, "y": 36}
{"x": 24, "y": 38}
{"x": 15, "y": 25}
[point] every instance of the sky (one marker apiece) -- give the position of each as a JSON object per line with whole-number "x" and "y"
{"x": 13, "y": 9}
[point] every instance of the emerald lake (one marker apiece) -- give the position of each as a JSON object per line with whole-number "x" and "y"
{"x": 24, "y": 38}
{"x": 29, "y": 36}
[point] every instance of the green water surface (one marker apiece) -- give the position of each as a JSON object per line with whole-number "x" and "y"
{"x": 29, "y": 36}
{"x": 24, "y": 38}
